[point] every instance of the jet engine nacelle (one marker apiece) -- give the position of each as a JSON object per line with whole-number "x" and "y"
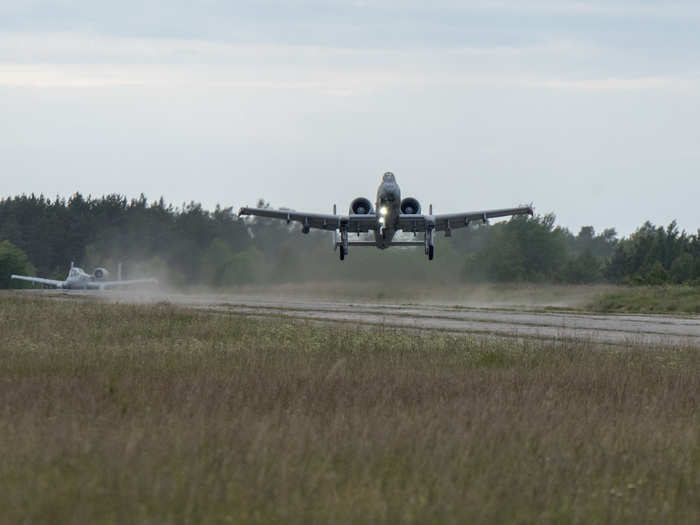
{"x": 410, "y": 206}
{"x": 101, "y": 274}
{"x": 361, "y": 206}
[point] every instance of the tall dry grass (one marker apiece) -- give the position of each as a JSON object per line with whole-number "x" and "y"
{"x": 153, "y": 414}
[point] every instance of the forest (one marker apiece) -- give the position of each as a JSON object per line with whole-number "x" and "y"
{"x": 188, "y": 245}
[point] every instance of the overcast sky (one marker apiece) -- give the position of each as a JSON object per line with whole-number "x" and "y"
{"x": 591, "y": 109}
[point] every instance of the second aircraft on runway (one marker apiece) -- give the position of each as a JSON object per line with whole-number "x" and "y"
{"x": 390, "y": 215}
{"x": 77, "y": 279}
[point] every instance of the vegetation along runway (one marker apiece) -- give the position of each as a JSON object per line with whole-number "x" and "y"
{"x": 226, "y": 411}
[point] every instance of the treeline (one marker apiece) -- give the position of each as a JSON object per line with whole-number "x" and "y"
{"x": 188, "y": 245}
{"x": 147, "y": 236}
{"x": 536, "y": 250}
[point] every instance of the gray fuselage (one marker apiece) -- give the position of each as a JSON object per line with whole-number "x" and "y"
{"x": 78, "y": 280}
{"x": 388, "y": 209}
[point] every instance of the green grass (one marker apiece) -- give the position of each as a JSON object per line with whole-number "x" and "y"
{"x": 650, "y": 299}
{"x": 116, "y": 413}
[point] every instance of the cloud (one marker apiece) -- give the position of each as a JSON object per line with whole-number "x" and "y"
{"x": 615, "y": 84}
{"x": 69, "y": 60}
{"x": 596, "y": 7}
{"x": 397, "y": 24}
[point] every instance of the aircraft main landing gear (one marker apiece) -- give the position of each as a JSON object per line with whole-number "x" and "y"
{"x": 430, "y": 243}
{"x": 343, "y": 244}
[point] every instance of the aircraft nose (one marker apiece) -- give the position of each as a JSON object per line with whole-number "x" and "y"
{"x": 389, "y": 194}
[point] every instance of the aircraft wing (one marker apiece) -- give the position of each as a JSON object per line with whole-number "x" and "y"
{"x": 354, "y": 223}
{"x": 109, "y": 284}
{"x": 448, "y": 221}
{"x": 49, "y": 282}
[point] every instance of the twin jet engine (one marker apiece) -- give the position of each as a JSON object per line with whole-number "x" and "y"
{"x": 410, "y": 206}
{"x": 361, "y": 206}
{"x": 101, "y": 274}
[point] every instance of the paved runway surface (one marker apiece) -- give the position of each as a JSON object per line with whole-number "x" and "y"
{"x": 503, "y": 321}
{"x": 663, "y": 330}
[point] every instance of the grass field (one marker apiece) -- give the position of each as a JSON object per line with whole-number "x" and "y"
{"x": 650, "y": 299}
{"x": 116, "y": 413}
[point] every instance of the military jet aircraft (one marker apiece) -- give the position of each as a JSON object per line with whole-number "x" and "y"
{"x": 79, "y": 280}
{"x": 392, "y": 214}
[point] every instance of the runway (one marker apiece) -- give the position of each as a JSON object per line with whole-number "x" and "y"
{"x": 539, "y": 323}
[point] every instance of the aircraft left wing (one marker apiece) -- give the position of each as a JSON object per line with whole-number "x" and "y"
{"x": 49, "y": 282}
{"x": 354, "y": 223}
{"x": 449, "y": 221}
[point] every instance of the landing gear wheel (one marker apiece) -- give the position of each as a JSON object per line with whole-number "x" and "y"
{"x": 431, "y": 252}
{"x": 342, "y": 253}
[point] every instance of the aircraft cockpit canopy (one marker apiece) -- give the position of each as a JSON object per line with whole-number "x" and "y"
{"x": 76, "y": 272}
{"x": 389, "y": 177}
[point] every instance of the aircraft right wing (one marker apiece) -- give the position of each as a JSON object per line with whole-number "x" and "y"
{"x": 109, "y": 284}
{"x": 458, "y": 220}
{"x": 448, "y": 221}
{"x": 354, "y": 223}
{"x": 49, "y": 282}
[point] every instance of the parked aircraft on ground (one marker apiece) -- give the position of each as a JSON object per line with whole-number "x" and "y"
{"x": 390, "y": 215}
{"x": 79, "y": 280}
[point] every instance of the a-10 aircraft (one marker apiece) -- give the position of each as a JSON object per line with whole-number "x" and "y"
{"x": 390, "y": 215}
{"x": 78, "y": 279}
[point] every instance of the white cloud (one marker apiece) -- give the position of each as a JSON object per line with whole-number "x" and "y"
{"x": 598, "y": 7}
{"x": 616, "y": 84}
{"x": 328, "y": 82}
{"x": 81, "y": 61}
